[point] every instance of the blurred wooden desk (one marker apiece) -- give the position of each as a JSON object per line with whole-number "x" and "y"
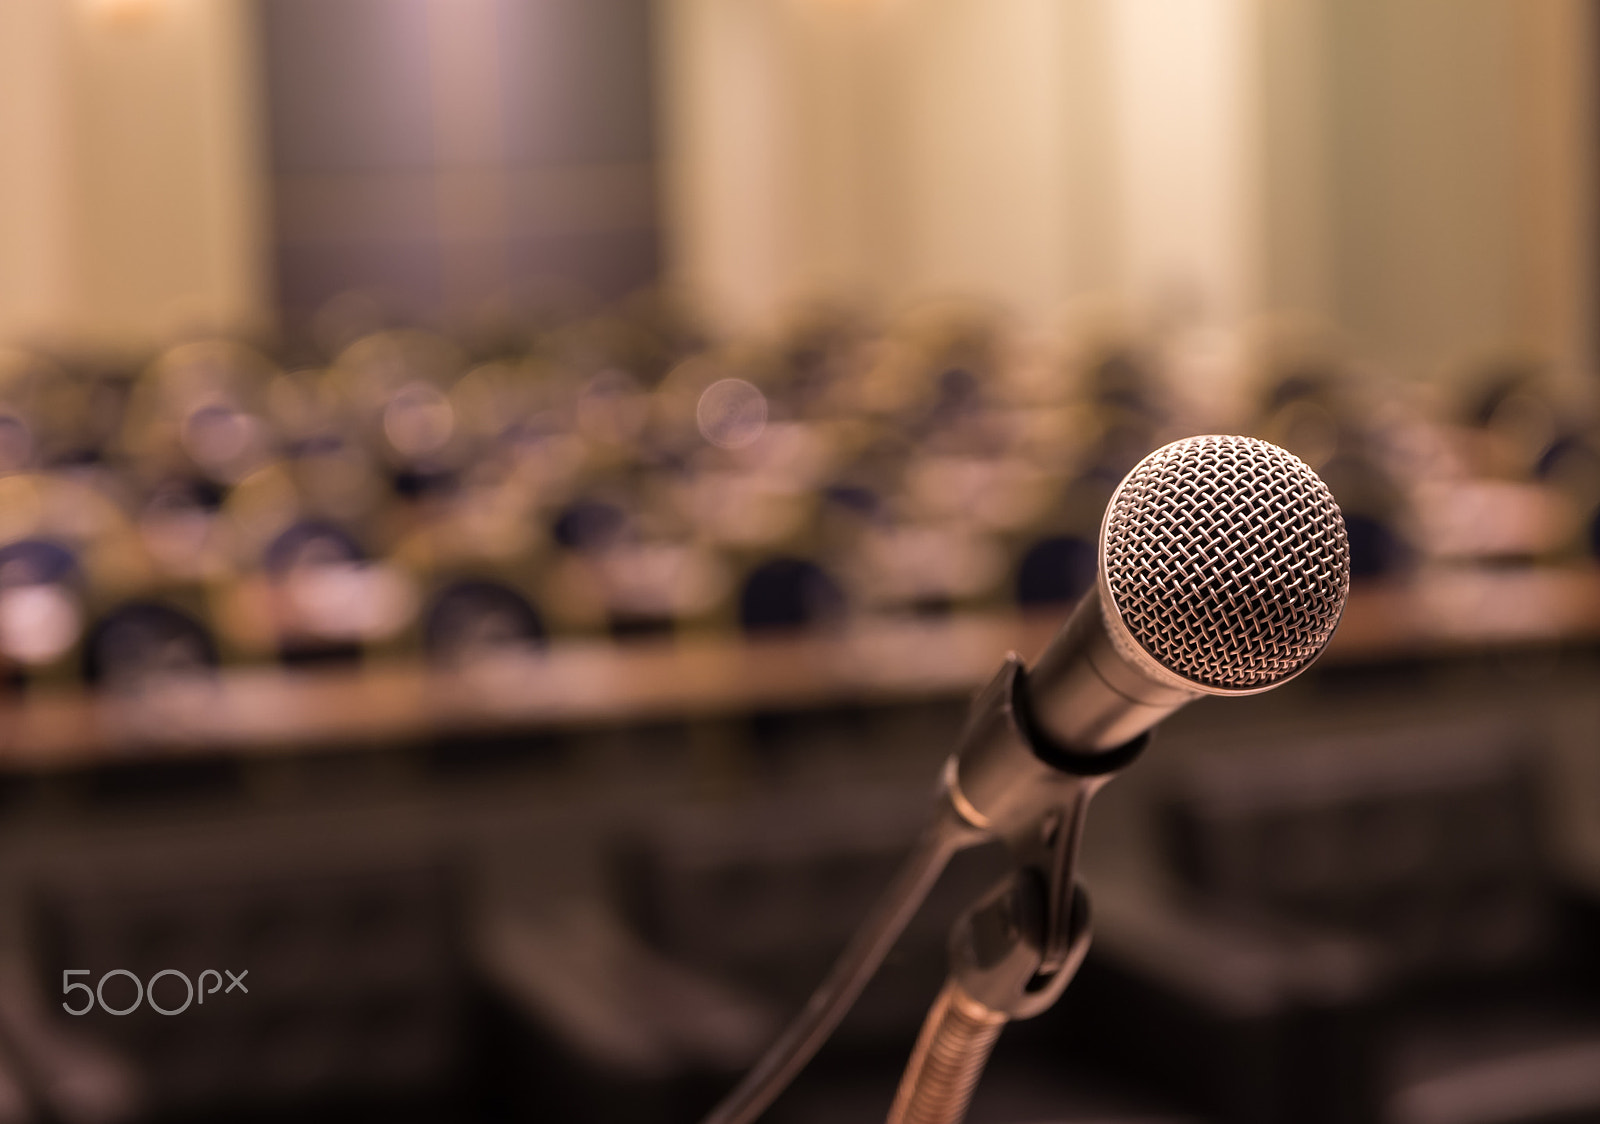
{"x": 578, "y": 685}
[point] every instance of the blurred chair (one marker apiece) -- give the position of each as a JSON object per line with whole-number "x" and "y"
{"x": 53, "y": 1072}
{"x": 598, "y": 1025}
{"x": 311, "y": 542}
{"x": 41, "y": 606}
{"x": 602, "y": 535}
{"x": 589, "y": 524}
{"x": 473, "y": 617}
{"x": 325, "y": 603}
{"x": 788, "y": 594}
{"x": 1363, "y": 926}
{"x": 1056, "y": 570}
{"x": 1375, "y": 550}
{"x": 354, "y": 991}
{"x": 146, "y": 641}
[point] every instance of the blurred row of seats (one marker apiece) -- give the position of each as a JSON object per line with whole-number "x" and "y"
{"x": 399, "y": 491}
{"x": 1346, "y": 926}
{"x": 1359, "y": 928}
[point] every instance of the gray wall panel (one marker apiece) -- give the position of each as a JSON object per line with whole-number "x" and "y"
{"x": 381, "y": 184}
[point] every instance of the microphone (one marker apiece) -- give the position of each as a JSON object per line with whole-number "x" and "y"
{"x": 1223, "y": 570}
{"x": 1224, "y": 567}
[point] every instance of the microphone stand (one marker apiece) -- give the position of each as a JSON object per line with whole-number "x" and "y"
{"x": 1012, "y": 954}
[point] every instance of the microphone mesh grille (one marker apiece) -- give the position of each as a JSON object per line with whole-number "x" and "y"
{"x": 1227, "y": 560}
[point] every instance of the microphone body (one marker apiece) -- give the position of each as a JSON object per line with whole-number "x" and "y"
{"x": 1041, "y": 740}
{"x": 1223, "y": 570}
{"x": 1089, "y": 694}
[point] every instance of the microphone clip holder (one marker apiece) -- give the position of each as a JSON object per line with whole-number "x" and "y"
{"x": 1005, "y": 952}
{"x": 1009, "y": 779}
{"x": 1019, "y": 946}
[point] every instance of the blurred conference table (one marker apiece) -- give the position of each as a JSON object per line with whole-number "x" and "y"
{"x": 594, "y": 684}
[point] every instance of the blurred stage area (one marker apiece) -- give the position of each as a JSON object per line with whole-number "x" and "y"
{"x": 504, "y": 506}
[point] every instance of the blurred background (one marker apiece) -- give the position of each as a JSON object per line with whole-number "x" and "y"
{"x": 504, "y": 504}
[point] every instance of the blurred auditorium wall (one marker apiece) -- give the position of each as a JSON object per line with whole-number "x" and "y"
{"x": 131, "y": 188}
{"x": 1459, "y": 159}
{"x": 885, "y": 149}
{"x": 1415, "y": 174}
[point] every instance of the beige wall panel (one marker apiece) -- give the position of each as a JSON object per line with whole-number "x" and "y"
{"x": 1423, "y": 117}
{"x": 1555, "y": 190}
{"x": 722, "y": 141}
{"x": 145, "y": 117}
{"x": 35, "y": 220}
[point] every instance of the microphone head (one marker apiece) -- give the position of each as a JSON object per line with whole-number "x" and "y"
{"x": 1223, "y": 565}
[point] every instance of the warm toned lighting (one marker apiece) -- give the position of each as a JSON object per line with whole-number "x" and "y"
{"x": 858, "y": 5}
{"x": 126, "y": 13}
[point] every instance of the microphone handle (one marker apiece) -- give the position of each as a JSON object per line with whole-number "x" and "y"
{"x": 1092, "y": 691}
